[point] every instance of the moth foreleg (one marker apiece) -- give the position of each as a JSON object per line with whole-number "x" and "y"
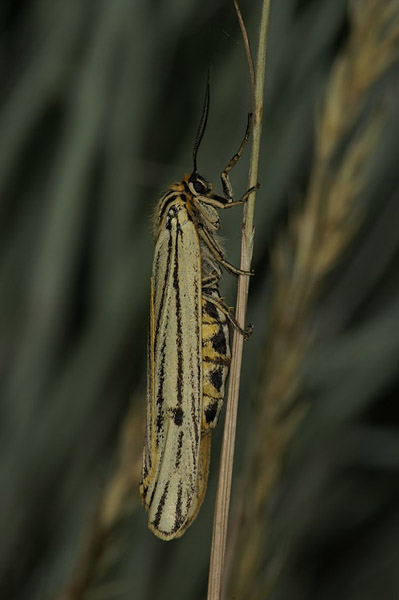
{"x": 227, "y": 189}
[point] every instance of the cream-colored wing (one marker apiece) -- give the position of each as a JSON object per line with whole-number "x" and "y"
{"x": 171, "y": 455}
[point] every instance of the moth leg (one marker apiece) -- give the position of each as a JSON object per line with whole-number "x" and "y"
{"x": 217, "y": 252}
{"x": 222, "y": 306}
{"x": 247, "y": 194}
{"x": 227, "y": 189}
{"x": 210, "y": 281}
{"x": 216, "y": 201}
{"x": 222, "y": 202}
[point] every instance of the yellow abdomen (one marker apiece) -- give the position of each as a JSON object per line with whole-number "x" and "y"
{"x": 216, "y": 358}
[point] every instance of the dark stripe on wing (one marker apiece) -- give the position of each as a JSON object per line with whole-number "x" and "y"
{"x": 159, "y": 396}
{"x": 168, "y": 200}
{"x": 179, "y": 333}
{"x": 179, "y": 447}
{"x": 163, "y": 285}
{"x": 178, "y": 514}
{"x": 160, "y": 505}
{"x": 198, "y": 383}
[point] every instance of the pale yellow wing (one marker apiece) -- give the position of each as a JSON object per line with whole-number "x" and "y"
{"x": 171, "y": 456}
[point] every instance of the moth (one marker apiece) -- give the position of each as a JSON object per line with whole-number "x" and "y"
{"x": 188, "y": 348}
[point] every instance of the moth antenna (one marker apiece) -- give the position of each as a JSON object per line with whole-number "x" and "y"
{"x": 202, "y": 124}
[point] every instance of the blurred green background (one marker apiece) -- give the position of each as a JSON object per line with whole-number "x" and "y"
{"x": 99, "y": 105}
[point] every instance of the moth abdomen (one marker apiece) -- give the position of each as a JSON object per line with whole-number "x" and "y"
{"x": 216, "y": 358}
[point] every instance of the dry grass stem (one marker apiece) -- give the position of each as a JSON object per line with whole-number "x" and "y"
{"x": 316, "y": 238}
{"x": 119, "y": 498}
{"x": 248, "y": 53}
{"x": 227, "y": 452}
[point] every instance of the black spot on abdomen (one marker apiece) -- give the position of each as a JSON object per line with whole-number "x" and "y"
{"x": 210, "y": 412}
{"x": 219, "y": 342}
{"x": 211, "y": 310}
{"x": 216, "y": 377}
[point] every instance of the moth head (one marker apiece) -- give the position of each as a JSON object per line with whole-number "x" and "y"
{"x": 197, "y": 185}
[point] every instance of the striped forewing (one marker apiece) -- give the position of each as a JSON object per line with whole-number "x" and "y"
{"x": 171, "y": 459}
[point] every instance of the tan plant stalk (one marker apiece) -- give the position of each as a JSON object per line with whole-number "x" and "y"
{"x": 118, "y": 499}
{"x": 302, "y": 256}
{"x": 222, "y": 504}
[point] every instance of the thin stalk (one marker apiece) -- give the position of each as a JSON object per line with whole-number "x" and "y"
{"x": 222, "y": 504}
